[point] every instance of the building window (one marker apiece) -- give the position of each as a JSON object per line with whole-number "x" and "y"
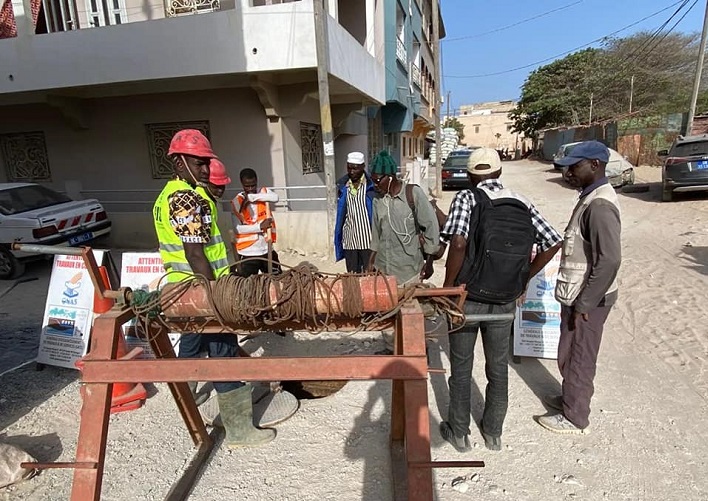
{"x": 103, "y": 12}
{"x": 508, "y": 128}
{"x": 311, "y": 146}
{"x": 476, "y": 129}
{"x": 25, "y": 156}
{"x": 159, "y": 136}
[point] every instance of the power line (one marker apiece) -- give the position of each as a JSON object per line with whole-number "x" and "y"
{"x": 656, "y": 44}
{"x": 502, "y": 28}
{"x": 646, "y": 43}
{"x": 568, "y": 51}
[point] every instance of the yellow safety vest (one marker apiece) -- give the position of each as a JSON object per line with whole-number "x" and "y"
{"x": 171, "y": 247}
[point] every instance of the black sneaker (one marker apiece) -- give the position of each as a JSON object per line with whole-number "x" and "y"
{"x": 461, "y": 444}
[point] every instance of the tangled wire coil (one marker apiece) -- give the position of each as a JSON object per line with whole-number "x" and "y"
{"x": 247, "y": 301}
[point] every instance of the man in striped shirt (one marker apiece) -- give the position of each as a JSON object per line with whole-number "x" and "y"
{"x": 352, "y": 233}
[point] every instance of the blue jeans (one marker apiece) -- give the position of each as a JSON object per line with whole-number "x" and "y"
{"x": 495, "y": 340}
{"x": 217, "y": 346}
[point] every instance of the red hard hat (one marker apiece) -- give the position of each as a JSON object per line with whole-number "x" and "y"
{"x": 191, "y": 142}
{"x": 217, "y": 173}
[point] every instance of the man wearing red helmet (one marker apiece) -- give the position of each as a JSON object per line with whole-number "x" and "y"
{"x": 190, "y": 243}
{"x": 218, "y": 179}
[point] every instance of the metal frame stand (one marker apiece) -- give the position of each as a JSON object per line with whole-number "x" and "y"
{"x": 407, "y": 368}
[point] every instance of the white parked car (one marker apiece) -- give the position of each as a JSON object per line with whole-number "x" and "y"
{"x": 33, "y": 214}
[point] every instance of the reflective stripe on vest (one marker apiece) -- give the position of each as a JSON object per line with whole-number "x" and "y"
{"x": 171, "y": 246}
{"x": 244, "y": 241}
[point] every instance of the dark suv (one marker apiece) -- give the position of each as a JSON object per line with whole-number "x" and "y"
{"x": 685, "y": 167}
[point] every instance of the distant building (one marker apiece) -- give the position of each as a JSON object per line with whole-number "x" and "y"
{"x": 489, "y": 125}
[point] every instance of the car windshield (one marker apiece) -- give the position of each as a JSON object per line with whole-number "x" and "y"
{"x": 456, "y": 162}
{"x": 690, "y": 149}
{"x": 27, "y": 198}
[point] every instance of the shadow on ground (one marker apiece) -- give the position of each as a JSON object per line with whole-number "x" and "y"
{"x": 696, "y": 257}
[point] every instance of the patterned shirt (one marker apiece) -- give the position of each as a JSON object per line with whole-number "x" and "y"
{"x": 458, "y": 220}
{"x": 190, "y": 217}
{"x": 356, "y": 233}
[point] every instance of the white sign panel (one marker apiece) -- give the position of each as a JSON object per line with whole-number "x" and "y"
{"x": 68, "y": 314}
{"x": 142, "y": 271}
{"x": 537, "y": 324}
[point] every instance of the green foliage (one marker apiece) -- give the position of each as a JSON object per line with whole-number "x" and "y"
{"x": 559, "y": 93}
{"x": 455, "y": 124}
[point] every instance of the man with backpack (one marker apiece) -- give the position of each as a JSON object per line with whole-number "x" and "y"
{"x": 492, "y": 232}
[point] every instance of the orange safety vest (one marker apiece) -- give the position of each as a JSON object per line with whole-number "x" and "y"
{"x": 244, "y": 215}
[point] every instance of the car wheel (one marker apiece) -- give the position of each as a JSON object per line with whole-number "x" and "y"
{"x": 10, "y": 266}
{"x": 667, "y": 194}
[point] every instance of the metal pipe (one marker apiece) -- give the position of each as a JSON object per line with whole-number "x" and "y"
{"x": 488, "y": 317}
{"x": 48, "y": 249}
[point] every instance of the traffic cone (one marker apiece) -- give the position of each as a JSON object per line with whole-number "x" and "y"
{"x": 102, "y": 304}
{"x": 125, "y": 396}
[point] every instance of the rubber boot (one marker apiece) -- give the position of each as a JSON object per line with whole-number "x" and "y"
{"x": 236, "y": 409}
{"x": 199, "y": 398}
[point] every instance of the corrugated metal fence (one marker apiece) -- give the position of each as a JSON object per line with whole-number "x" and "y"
{"x": 637, "y": 138}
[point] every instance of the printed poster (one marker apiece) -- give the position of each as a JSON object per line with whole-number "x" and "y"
{"x": 142, "y": 271}
{"x": 537, "y": 323}
{"x": 68, "y": 314}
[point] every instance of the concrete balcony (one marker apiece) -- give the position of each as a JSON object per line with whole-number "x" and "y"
{"x": 228, "y": 41}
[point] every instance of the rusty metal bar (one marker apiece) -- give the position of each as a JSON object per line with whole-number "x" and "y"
{"x": 416, "y": 413}
{"x": 253, "y": 369}
{"x": 48, "y": 249}
{"x": 448, "y": 464}
{"x": 95, "y": 410}
{"x": 87, "y": 255}
{"x": 162, "y": 348}
{"x": 440, "y": 291}
{"x": 48, "y": 466}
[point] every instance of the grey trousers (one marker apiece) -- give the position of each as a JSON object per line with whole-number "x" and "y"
{"x": 495, "y": 340}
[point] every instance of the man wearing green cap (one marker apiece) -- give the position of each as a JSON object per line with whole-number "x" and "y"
{"x": 395, "y": 244}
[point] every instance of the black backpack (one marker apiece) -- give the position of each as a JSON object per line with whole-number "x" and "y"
{"x": 500, "y": 240}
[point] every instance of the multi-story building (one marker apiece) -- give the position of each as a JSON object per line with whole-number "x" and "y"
{"x": 91, "y": 92}
{"x": 489, "y": 125}
{"x": 403, "y": 122}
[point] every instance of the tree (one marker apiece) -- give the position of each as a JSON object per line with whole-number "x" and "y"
{"x": 455, "y": 124}
{"x": 558, "y": 94}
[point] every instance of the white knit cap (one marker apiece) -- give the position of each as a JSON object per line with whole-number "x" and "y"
{"x": 484, "y": 161}
{"x": 355, "y": 158}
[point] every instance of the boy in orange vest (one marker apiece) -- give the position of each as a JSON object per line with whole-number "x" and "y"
{"x": 254, "y": 226}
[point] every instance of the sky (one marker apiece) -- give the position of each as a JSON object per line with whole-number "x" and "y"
{"x": 574, "y": 23}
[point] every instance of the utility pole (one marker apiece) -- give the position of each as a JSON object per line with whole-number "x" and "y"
{"x": 699, "y": 71}
{"x": 326, "y": 117}
{"x": 447, "y": 115}
{"x": 438, "y": 104}
{"x": 631, "y": 93}
{"x": 590, "y": 119}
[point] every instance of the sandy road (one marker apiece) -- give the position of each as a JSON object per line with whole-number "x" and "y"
{"x": 648, "y": 441}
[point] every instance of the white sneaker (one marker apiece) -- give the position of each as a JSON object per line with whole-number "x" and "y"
{"x": 558, "y": 423}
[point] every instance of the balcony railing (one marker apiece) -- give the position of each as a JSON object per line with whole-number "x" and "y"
{"x": 401, "y": 54}
{"x": 182, "y": 7}
{"x": 415, "y": 74}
